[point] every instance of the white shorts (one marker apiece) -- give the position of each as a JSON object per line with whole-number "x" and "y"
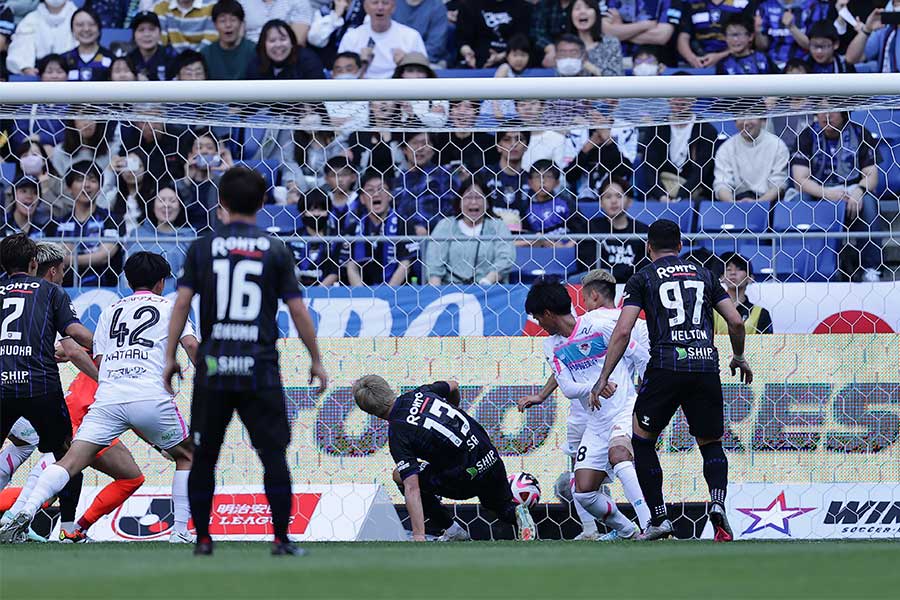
{"x": 23, "y": 430}
{"x": 158, "y": 421}
{"x": 575, "y": 427}
{"x": 593, "y": 450}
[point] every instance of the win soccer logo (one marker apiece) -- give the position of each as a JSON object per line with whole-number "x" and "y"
{"x": 144, "y": 518}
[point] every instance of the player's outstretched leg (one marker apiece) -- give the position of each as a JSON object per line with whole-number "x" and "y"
{"x": 117, "y": 462}
{"x": 650, "y": 476}
{"x": 715, "y": 471}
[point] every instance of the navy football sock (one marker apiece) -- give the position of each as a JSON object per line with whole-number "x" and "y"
{"x": 277, "y": 483}
{"x": 715, "y": 471}
{"x": 650, "y": 476}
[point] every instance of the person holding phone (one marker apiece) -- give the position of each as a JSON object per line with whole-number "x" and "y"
{"x": 879, "y": 39}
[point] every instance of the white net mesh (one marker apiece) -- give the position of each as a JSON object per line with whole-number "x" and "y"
{"x": 373, "y": 199}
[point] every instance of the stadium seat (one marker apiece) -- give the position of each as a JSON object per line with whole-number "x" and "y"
{"x": 111, "y": 36}
{"x": 270, "y": 169}
{"x": 280, "y": 220}
{"x": 589, "y": 209}
{"x": 807, "y": 259}
{"x": 728, "y": 218}
{"x": 682, "y": 212}
{"x": 533, "y": 262}
{"x": 7, "y": 171}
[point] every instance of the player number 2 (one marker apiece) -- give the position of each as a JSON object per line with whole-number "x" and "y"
{"x": 18, "y": 307}
{"x": 672, "y": 298}
{"x": 236, "y": 296}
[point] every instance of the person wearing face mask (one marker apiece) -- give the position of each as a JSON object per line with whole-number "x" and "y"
{"x": 150, "y": 58}
{"x": 44, "y": 31}
{"x": 198, "y": 190}
{"x": 315, "y": 259}
{"x": 569, "y": 54}
{"x": 34, "y": 164}
{"x": 230, "y": 57}
{"x": 348, "y": 116}
{"x": 279, "y": 57}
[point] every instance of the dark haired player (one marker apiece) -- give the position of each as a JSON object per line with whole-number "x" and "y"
{"x": 32, "y": 311}
{"x": 240, "y": 274}
{"x": 678, "y": 298}
{"x": 130, "y": 347}
{"x": 426, "y": 424}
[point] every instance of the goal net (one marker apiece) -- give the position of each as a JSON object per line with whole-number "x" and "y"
{"x": 419, "y": 212}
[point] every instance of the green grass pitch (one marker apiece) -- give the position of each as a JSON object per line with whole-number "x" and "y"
{"x": 551, "y": 570}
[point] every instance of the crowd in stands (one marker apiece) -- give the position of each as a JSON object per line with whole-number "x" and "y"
{"x": 86, "y": 179}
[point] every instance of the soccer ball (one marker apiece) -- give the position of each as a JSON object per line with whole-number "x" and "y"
{"x": 525, "y": 488}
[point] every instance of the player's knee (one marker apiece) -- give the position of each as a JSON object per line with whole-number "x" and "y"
{"x": 619, "y": 454}
{"x": 395, "y": 475}
{"x": 135, "y": 482}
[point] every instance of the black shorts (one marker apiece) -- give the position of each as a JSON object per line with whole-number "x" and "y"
{"x": 698, "y": 394}
{"x": 261, "y": 411}
{"x": 491, "y": 487}
{"x": 48, "y": 414}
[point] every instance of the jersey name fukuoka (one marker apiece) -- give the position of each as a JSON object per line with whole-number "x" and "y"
{"x": 577, "y": 360}
{"x": 132, "y": 335}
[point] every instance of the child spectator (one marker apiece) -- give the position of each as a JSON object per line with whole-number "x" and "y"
{"x": 186, "y": 24}
{"x": 88, "y": 61}
{"x": 742, "y": 58}
{"x": 824, "y": 42}
{"x": 122, "y": 69}
{"x": 152, "y": 59}
{"x": 189, "y": 66}
{"x": 603, "y": 52}
{"x": 231, "y": 55}
{"x": 518, "y": 57}
{"x": 701, "y": 32}
{"x": 752, "y": 165}
{"x": 737, "y": 276}
{"x": 46, "y": 30}
{"x": 341, "y": 180}
{"x": 507, "y": 181}
{"x": 485, "y": 29}
{"x": 549, "y": 211}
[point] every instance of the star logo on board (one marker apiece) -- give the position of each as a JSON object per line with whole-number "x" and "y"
{"x": 777, "y": 516}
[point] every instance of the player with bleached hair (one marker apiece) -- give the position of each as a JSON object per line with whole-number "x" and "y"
{"x": 575, "y": 350}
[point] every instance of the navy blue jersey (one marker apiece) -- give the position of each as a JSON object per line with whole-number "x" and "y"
{"x": 702, "y": 20}
{"x": 95, "y": 68}
{"x": 240, "y": 273}
{"x": 423, "y": 426}
{"x": 506, "y": 192}
{"x": 549, "y": 216}
{"x": 32, "y": 312}
{"x": 838, "y": 64}
{"x": 782, "y": 45}
{"x": 755, "y": 63}
{"x": 678, "y": 298}
{"x": 379, "y": 260}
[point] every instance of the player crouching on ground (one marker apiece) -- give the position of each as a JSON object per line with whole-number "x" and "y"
{"x": 426, "y": 424}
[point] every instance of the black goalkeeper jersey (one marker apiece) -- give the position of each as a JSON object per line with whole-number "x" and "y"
{"x": 32, "y": 312}
{"x": 423, "y": 426}
{"x": 678, "y": 297}
{"x": 240, "y": 274}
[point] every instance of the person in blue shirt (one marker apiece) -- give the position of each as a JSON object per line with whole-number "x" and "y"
{"x": 92, "y": 262}
{"x": 506, "y": 181}
{"x": 88, "y": 61}
{"x": 640, "y": 22}
{"x": 550, "y": 210}
{"x": 824, "y": 42}
{"x": 316, "y": 260}
{"x": 743, "y": 59}
{"x": 878, "y": 41}
{"x": 152, "y": 60}
{"x": 164, "y": 230}
{"x": 701, "y": 36}
{"x": 783, "y": 33}
{"x": 423, "y": 191}
{"x": 374, "y": 263}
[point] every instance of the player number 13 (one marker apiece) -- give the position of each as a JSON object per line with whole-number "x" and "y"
{"x": 671, "y": 297}
{"x": 437, "y": 408}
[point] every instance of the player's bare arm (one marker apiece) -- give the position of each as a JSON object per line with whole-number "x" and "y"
{"x": 72, "y": 351}
{"x": 414, "y": 507}
{"x": 526, "y": 402}
{"x": 307, "y": 332}
{"x": 177, "y": 321}
{"x": 618, "y": 343}
{"x": 191, "y": 345}
{"x": 737, "y": 335}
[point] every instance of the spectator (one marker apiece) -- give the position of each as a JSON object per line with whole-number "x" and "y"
{"x": 161, "y": 147}
{"x": 738, "y": 275}
{"x": 88, "y": 141}
{"x": 782, "y": 27}
{"x": 47, "y": 131}
{"x": 425, "y": 113}
{"x": 680, "y": 155}
{"x": 646, "y": 62}
{"x": 230, "y": 57}
{"x": 199, "y": 189}
{"x": 486, "y": 257}
{"x": 279, "y": 57}
{"x": 464, "y": 151}
{"x": 549, "y": 20}
{"x": 315, "y": 259}
{"x": 484, "y": 29}
{"x": 122, "y": 69}
{"x": 824, "y": 42}
{"x": 189, "y": 66}
{"x": 186, "y": 24}
{"x": 598, "y": 159}
{"x": 341, "y": 180}
{"x": 518, "y": 57}
{"x": 701, "y": 35}
{"x": 835, "y": 160}
{"x": 152, "y": 60}
{"x": 374, "y": 263}
{"x": 603, "y": 52}
{"x": 621, "y": 257}
{"x": 47, "y": 30}
{"x": 788, "y": 127}
{"x": 751, "y": 166}
{"x": 93, "y": 262}
{"x": 549, "y": 210}
{"x": 422, "y": 191}
{"x": 742, "y": 58}
{"x": 88, "y": 61}
{"x": 639, "y": 23}
{"x": 298, "y": 13}
{"x": 508, "y": 180}
{"x": 312, "y": 150}
{"x": 876, "y": 41}
{"x": 133, "y": 191}
{"x": 381, "y": 42}
{"x": 570, "y": 54}
{"x": 348, "y": 116}
{"x": 20, "y": 214}
{"x": 546, "y": 143}
{"x": 330, "y": 23}
{"x": 429, "y": 18}
{"x": 34, "y": 163}
{"x": 379, "y": 150}
{"x": 164, "y": 230}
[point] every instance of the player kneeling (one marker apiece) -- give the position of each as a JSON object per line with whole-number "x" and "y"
{"x": 426, "y": 424}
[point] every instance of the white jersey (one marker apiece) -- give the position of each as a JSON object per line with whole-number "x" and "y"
{"x": 132, "y": 335}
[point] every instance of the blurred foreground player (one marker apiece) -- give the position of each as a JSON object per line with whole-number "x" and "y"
{"x": 426, "y": 424}
{"x": 240, "y": 274}
{"x": 678, "y": 298}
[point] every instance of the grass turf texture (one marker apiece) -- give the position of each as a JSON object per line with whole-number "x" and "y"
{"x": 468, "y": 570}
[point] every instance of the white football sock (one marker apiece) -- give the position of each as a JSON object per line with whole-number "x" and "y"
{"x": 454, "y": 529}
{"x": 11, "y": 458}
{"x": 33, "y": 475}
{"x": 52, "y": 480}
{"x": 180, "y": 500}
{"x": 628, "y": 476}
{"x": 588, "y": 522}
{"x": 604, "y": 508}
